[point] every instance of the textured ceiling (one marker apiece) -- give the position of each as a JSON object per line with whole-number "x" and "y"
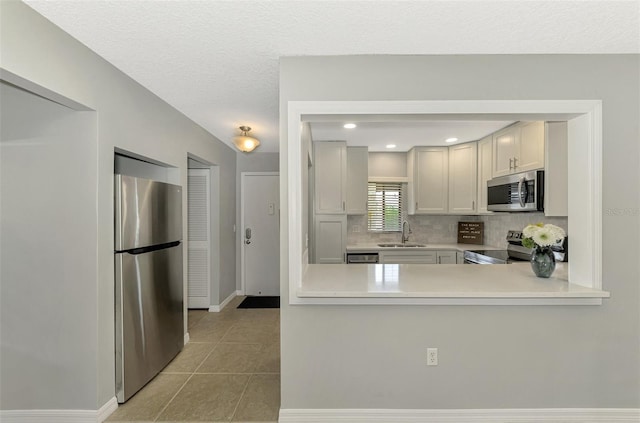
{"x": 217, "y": 61}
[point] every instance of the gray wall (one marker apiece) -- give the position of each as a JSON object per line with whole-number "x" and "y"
{"x": 388, "y": 164}
{"x": 130, "y": 119}
{"x": 489, "y": 356}
{"x": 48, "y": 220}
{"x": 248, "y": 162}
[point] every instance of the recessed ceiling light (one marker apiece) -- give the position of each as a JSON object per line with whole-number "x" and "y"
{"x": 391, "y": 146}
{"x": 350, "y": 125}
{"x": 451, "y": 140}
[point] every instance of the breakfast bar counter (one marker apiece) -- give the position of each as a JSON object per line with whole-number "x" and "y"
{"x": 439, "y": 284}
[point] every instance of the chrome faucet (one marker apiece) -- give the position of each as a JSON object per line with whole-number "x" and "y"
{"x": 406, "y": 230}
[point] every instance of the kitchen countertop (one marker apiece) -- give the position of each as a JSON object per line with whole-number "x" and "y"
{"x": 373, "y": 247}
{"x": 440, "y": 284}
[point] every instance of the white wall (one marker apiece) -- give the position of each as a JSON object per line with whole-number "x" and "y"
{"x": 132, "y": 119}
{"x": 489, "y": 356}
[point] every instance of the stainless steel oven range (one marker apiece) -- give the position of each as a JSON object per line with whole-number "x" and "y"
{"x": 514, "y": 252}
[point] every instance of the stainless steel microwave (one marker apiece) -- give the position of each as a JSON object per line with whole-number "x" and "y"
{"x": 519, "y": 192}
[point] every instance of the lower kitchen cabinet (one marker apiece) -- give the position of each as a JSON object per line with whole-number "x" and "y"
{"x": 330, "y": 238}
{"x": 446, "y": 257}
{"x": 418, "y": 257}
{"x": 459, "y": 257}
{"x": 407, "y": 257}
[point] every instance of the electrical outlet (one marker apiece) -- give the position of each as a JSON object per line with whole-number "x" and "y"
{"x": 432, "y": 356}
{"x": 356, "y": 228}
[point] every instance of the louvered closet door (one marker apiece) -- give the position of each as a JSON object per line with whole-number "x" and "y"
{"x": 199, "y": 252}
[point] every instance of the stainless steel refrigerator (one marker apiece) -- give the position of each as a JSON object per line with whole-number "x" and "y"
{"x": 148, "y": 280}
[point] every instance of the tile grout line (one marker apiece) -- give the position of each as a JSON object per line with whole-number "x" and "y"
{"x": 172, "y": 398}
{"x": 212, "y": 350}
{"x": 190, "y": 377}
{"x": 235, "y": 410}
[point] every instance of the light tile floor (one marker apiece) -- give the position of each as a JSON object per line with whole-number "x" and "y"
{"x": 229, "y": 371}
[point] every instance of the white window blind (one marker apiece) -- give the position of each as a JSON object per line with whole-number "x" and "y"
{"x": 384, "y": 206}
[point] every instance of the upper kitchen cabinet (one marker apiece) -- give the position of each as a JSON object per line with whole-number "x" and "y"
{"x": 531, "y": 155}
{"x": 463, "y": 178}
{"x": 428, "y": 171}
{"x": 357, "y": 179}
{"x": 485, "y": 147}
{"x": 518, "y": 148}
{"x": 330, "y": 176}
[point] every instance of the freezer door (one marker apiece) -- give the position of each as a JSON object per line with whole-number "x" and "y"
{"x": 146, "y": 212}
{"x": 149, "y": 316}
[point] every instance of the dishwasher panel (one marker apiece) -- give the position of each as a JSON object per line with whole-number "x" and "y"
{"x": 366, "y": 258}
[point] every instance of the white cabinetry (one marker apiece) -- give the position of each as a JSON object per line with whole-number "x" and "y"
{"x": 531, "y": 155}
{"x": 330, "y": 215}
{"x": 459, "y": 257}
{"x": 357, "y": 179}
{"x": 446, "y": 257}
{"x": 518, "y": 148}
{"x": 428, "y": 169}
{"x": 463, "y": 178}
{"x": 485, "y": 146}
{"x": 330, "y": 238}
{"x": 408, "y": 257}
{"x": 330, "y": 176}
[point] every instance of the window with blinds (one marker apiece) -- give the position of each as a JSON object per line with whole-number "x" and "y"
{"x": 384, "y": 206}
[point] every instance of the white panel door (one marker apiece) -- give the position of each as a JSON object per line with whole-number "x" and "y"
{"x": 260, "y": 233}
{"x": 198, "y": 243}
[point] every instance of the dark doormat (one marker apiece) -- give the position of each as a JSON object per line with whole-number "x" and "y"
{"x": 260, "y": 302}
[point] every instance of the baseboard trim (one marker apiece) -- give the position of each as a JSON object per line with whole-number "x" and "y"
{"x": 547, "y": 415}
{"x": 106, "y": 410}
{"x": 60, "y": 416}
{"x": 218, "y": 308}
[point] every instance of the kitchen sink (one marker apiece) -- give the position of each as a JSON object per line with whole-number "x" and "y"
{"x": 400, "y": 245}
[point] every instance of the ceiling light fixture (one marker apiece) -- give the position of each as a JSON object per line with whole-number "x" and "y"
{"x": 391, "y": 146}
{"x": 451, "y": 140}
{"x": 350, "y": 125}
{"x": 245, "y": 142}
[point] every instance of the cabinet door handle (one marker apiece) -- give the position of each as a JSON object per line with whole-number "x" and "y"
{"x": 343, "y": 206}
{"x": 510, "y": 164}
{"x": 416, "y": 206}
{"x": 473, "y": 205}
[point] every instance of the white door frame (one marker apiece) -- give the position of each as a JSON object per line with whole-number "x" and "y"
{"x": 243, "y": 176}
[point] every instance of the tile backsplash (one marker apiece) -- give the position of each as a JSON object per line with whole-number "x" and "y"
{"x": 443, "y": 229}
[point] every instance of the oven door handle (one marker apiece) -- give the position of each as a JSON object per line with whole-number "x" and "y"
{"x": 520, "y": 197}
